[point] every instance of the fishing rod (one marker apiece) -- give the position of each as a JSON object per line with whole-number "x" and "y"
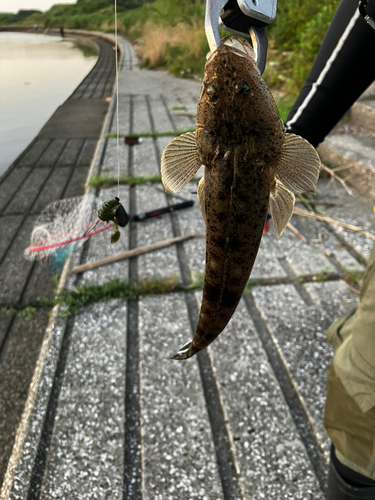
{"x": 160, "y": 211}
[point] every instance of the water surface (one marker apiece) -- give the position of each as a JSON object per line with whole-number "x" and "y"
{"x": 37, "y": 74}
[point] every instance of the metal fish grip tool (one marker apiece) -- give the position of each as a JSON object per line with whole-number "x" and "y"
{"x": 242, "y": 17}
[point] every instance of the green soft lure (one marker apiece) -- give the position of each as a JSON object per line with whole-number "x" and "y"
{"x": 113, "y": 211}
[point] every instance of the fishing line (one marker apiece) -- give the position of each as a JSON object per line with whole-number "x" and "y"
{"x": 117, "y": 108}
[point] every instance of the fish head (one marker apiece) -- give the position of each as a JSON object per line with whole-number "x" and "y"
{"x": 235, "y": 105}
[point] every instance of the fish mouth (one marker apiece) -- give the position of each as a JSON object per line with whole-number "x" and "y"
{"x": 240, "y": 44}
{"x": 233, "y": 44}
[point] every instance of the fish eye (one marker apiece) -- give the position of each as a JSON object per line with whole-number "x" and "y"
{"x": 243, "y": 89}
{"x": 213, "y": 93}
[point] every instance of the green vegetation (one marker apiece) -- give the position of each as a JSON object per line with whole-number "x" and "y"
{"x": 284, "y": 105}
{"x": 84, "y": 14}
{"x": 87, "y": 294}
{"x": 196, "y": 283}
{"x": 353, "y": 275}
{"x": 170, "y": 133}
{"x": 170, "y": 34}
{"x": 21, "y": 16}
{"x": 323, "y": 275}
{"x": 295, "y": 38}
{"x": 25, "y": 314}
{"x": 86, "y": 50}
{"x": 102, "y": 180}
{"x": 113, "y": 289}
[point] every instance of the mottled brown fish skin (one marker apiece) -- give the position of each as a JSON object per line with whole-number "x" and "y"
{"x": 238, "y": 140}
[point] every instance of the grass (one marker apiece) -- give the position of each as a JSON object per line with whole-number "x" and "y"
{"x": 353, "y": 275}
{"x": 169, "y": 133}
{"x": 172, "y": 40}
{"x": 284, "y": 105}
{"x": 181, "y": 49}
{"x": 102, "y": 180}
{"x": 170, "y": 35}
{"x": 26, "y": 314}
{"x": 21, "y": 16}
{"x": 87, "y": 294}
{"x": 85, "y": 50}
{"x": 323, "y": 275}
{"x": 196, "y": 283}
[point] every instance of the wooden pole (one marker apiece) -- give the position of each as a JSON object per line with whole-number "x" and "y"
{"x": 296, "y": 232}
{"x": 132, "y": 253}
{"x": 307, "y": 213}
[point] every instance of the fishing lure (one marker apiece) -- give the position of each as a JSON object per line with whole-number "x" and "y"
{"x": 66, "y": 224}
{"x": 113, "y": 211}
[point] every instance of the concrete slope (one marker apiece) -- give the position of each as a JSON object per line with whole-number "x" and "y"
{"x": 55, "y": 165}
{"x": 351, "y": 147}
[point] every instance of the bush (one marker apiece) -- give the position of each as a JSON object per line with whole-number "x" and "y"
{"x": 295, "y": 39}
{"x": 171, "y": 34}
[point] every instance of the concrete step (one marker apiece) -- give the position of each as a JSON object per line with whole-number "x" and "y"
{"x": 353, "y": 155}
{"x": 369, "y": 93}
{"x": 350, "y": 148}
{"x": 363, "y": 114}
{"x": 48, "y": 169}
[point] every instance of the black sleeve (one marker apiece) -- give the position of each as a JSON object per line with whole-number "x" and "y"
{"x": 343, "y": 69}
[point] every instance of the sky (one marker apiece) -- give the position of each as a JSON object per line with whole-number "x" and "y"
{"x": 15, "y": 5}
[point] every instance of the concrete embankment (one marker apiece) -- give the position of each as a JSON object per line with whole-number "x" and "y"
{"x": 109, "y": 415}
{"x": 55, "y": 165}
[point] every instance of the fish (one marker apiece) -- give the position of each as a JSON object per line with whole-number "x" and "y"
{"x": 251, "y": 165}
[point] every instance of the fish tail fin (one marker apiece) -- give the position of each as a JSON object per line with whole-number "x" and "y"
{"x": 185, "y": 352}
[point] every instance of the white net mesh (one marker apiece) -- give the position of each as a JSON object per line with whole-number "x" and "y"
{"x": 60, "y": 225}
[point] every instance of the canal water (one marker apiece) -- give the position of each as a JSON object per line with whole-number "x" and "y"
{"x": 37, "y": 74}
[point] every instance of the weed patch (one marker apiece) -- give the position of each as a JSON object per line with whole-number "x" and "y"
{"x": 168, "y": 133}
{"x": 196, "y": 282}
{"x": 171, "y": 35}
{"x": 101, "y": 180}
{"x": 353, "y": 275}
{"x": 87, "y": 294}
{"x": 26, "y": 314}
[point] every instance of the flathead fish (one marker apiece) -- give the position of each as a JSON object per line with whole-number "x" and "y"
{"x": 251, "y": 165}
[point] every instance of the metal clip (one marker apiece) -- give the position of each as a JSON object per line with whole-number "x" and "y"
{"x": 260, "y": 44}
{"x": 257, "y": 33}
{"x": 211, "y": 22}
{"x": 369, "y": 20}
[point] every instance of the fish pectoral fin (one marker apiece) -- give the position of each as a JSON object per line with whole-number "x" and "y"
{"x": 298, "y": 165}
{"x": 183, "y": 353}
{"x": 281, "y": 204}
{"x": 202, "y": 198}
{"x": 179, "y": 162}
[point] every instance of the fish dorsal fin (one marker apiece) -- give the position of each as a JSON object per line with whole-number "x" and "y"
{"x": 202, "y": 198}
{"x": 281, "y": 204}
{"x": 298, "y": 165}
{"x": 179, "y": 162}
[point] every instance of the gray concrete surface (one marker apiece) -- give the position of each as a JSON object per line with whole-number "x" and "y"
{"x": 113, "y": 417}
{"x": 351, "y": 147}
{"x": 55, "y": 165}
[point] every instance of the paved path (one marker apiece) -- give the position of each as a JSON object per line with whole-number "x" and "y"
{"x": 113, "y": 417}
{"x": 55, "y": 165}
